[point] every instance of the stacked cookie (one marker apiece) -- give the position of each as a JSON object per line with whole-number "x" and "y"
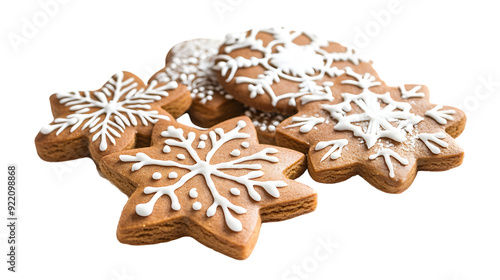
{"x": 274, "y": 102}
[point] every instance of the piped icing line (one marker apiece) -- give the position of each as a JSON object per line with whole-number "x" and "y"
{"x": 436, "y": 138}
{"x": 304, "y": 64}
{"x": 306, "y": 123}
{"x": 111, "y": 117}
{"x": 335, "y": 151}
{"x": 439, "y": 116}
{"x": 218, "y": 139}
{"x": 387, "y": 154}
{"x": 412, "y": 93}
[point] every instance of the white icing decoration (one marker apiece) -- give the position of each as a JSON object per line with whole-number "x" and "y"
{"x": 440, "y": 117}
{"x": 193, "y": 193}
{"x": 166, "y": 149}
{"x": 245, "y": 144}
{"x": 304, "y": 64}
{"x": 203, "y": 137}
{"x": 172, "y": 175}
{"x": 378, "y": 118}
{"x": 434, "y": 137}
{"x": 191, "y": 64}
{"x": 335, "y": 152}
{"x": 306, "y": 123}
{"x": 196, "y": 206}
{"x": 405, "y": 94}
{"x": 387, "y": 154}
{"x": 207, "y": 170}
{"x": 264, "y": 120}
{"x": 156, "y": 176}
{"x": 181, "y": 156}
{"x": 110, "y": 117}
{"x": 235, "y": 191}
{"x": 235, "y": 153}
{"x": 201, "y": 145}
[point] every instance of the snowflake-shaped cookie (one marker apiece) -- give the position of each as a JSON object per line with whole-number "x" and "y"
{"x": 190, "y": 63}
{"x": 385, "y": 134}
{"x": 215, "y": 185}
{"x": 271, "y": 69}
{"x": 118, "y": 116}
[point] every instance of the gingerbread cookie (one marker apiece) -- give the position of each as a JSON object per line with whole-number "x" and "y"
{"x": 117, "y": 117}
{"x": 274, "y": 69}
{"x": 190, "y": 63}
{"x": 265, "y": 123}
{"x": 215, "y": 185}
{"x": 384, "y": 134}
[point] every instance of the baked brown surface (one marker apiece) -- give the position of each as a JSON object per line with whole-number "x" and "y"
{"x": 270, "y": 166}
{"x": 78, "y": 130}
{"x": 400, "y": 120}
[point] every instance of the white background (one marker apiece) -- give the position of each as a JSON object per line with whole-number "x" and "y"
{"x": 446, "y": 226}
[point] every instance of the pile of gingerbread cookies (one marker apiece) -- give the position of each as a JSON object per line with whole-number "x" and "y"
{"x": 272, "y": 103}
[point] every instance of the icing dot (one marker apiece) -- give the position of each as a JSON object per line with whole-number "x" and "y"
{"x": 181, "y": 156}
{"x": 203, "y": 137}
{"x": 193, "y": 193}
{"x": 157, "y": 176}
{"x": 245, "y": 144}
{"x": 172, "y": 175}
{"x": 166, "y": 149}
{"x": 196, "y": 206}
{"x": 235, "y": 153}
{"x": 235, "y": 191}
{"x": 271, "y": 128}
{"x": 201, "y": 145}
{"x": 242, "y": 123}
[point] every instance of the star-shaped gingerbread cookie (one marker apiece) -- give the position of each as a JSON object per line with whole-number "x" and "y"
{"x": 190, "y": 63}
{"x": 384, "y": 134}
{"x": 216, "y": 185}
{"x": 116, "y": 117}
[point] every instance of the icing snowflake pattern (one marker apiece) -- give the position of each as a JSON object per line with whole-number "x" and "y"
{"x": 304, "y": 64}
{"x": 385, "y": 123}
{"x": 380, "y": 119}
{"x": 191, "y": 65}
{"x": 106, "y": 113}
{"x": 203, "y": 167}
